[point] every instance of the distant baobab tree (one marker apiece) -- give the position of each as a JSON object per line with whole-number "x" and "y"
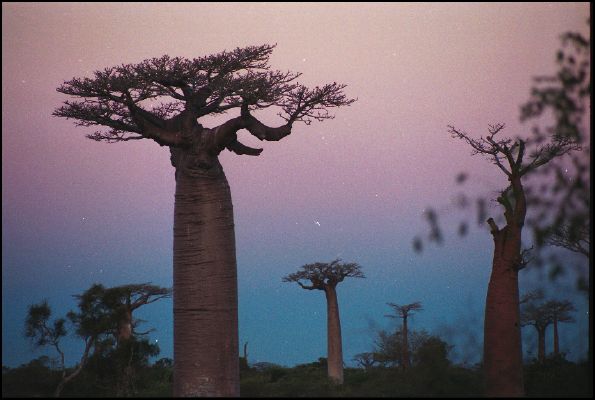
{"x": 102, "y": 313}
{"x": 538, "y": 316}
{"x": 560, "y": 312}
{"x": 544, "y": 314}
{"x": 502, "y": 358}
{"x": 161, "y": 99}
{"x": 119, "y": 303}
{"x": 123, "y": 300}
{"x": 404, "y": 312}
{"x": 326, "y": 277}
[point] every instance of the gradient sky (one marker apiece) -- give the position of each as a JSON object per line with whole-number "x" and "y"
{"x": 76, "y": 212}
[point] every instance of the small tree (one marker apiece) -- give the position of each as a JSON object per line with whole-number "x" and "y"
{"x": 89, "y": 326}
{"x": 125, "y": 299}
{"x": 503, "y": 368}
{"x": 538, "y": 316}
{"x": 365, "y": 360}
{"x": 326, "y": 277}
{"x": 104, "y": 317}
{"x": 432, "y": 353}
{"x": 131, "y": 353}
{"x": 423, "y": 349}
{"x": 560, "y": 312}
{"x": 404, "y": 312}
{"x": 45, "y": 333}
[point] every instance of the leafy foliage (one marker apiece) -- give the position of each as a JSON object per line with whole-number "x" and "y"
{"x": 558, "y": 195}
{"x": 100, "y": 310}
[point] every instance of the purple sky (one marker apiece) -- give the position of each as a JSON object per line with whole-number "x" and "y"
{"x": 75, "y": 212}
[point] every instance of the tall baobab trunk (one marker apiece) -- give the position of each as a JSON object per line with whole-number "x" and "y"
{"x": 503, "y": 355}
{"x": 502, "y": 331}
{"x": 334, "y": 343}
{"x": 206, "y": 355}
{"x": 541, "y": 344}
{"x": 405, "y": 353}
{"x": 556, "y": 343}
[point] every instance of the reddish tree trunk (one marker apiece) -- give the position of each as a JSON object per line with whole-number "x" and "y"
{"x": 503, "y": 366}
{"x": 206, "y": 355}
{"x": 406, "y": 361}
{"x": 556, "y": 343}
{"x": 334, "y": 343}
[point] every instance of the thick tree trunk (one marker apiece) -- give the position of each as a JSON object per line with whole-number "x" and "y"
{"x": 556, "y": 343}
{"x": 334, "y": 343}
{"x": 206, "y": 356}
{"x": 541, "y": 344}
{"x": 503, "y": 363}
{"x": 406, "y": 361}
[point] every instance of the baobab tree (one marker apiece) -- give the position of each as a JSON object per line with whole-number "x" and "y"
{"x": 161, "y": 99}
{"x": 326, "y": 277}
{"x": 538, "y": 316}
{"x": 560, "y": 312}
{"x": 125, "y": 299}
{"x": 404, "y": 312}
{"x": 502, "y": 356}
{"x": 121, "y": 302}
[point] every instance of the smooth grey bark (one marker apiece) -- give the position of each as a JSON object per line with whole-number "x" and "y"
{"x": 206, "y": 357}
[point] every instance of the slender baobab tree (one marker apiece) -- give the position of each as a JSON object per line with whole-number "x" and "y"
{"x": 502, "y": 357}
{"x": 560, "y": 312}
{"x": 538, "y": 316}
{"x": 326, "y": 276}
{"x": 404, "y": 312}
{"x": 161, "y": 99}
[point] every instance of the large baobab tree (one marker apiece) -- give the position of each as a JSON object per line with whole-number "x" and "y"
{"x": 326, "y": 277}
{"x": 404, "y": 312}
{"x": 560, "y": 312}
{"x": 502, "y": 356}
{"x": 161, "y": 99}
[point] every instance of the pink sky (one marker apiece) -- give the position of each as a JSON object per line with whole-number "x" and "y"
{"x": 355, "y": 186}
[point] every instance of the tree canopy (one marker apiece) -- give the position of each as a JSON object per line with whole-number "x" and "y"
{"x": 166, "y": 89}
{"x": 321, "y": 275}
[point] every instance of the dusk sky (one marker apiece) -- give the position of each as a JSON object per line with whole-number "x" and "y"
{"x": 77, "y": 212}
